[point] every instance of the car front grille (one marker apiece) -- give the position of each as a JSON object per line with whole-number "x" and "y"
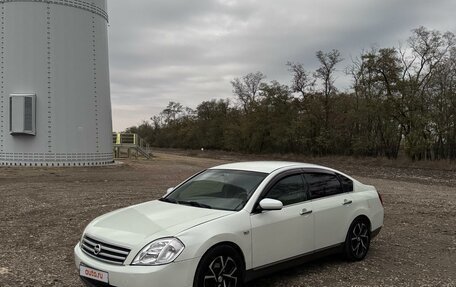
{"x": 103, "y": 251}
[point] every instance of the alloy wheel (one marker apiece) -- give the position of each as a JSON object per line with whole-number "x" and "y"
{"x": 359, "y": 240}
{"x": 221, "y": 272}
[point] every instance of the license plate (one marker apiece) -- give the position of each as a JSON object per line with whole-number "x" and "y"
{"x": 94, "y": 274}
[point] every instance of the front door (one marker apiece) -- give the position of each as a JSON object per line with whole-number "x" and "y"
{"x": 283, "y": 234}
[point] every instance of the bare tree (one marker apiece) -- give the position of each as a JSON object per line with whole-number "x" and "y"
{"x": 429, "y": 48}
{"x": 247, "y": 88}
{"x": 172, "y": 111}
{"x": 302, "y": 80}
{"x": 325, "y": 73}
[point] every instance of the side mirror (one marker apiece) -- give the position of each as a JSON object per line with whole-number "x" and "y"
{"x": 271, "y": 204}
{"x": 168, "y": 191}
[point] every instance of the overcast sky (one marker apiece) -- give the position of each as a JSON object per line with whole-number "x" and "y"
{"x": 189, "y": 50}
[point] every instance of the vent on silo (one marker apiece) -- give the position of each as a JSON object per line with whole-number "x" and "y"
{"x": 22, "y": 114}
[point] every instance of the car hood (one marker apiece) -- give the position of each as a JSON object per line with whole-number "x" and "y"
{"x": 140, "y": 224}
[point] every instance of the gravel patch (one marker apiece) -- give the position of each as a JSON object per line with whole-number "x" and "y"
{"x": 43, "y": 212}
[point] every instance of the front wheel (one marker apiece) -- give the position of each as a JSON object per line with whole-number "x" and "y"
{"x": 220, "y": 267}
{"x": 358, "y": 240}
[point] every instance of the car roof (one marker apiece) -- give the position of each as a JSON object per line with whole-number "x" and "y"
{"x": 265, "y": 166}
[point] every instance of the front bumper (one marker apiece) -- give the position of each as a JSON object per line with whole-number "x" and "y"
{"x": 176, "y": 274}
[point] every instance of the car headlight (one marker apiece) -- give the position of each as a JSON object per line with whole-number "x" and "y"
{"x": 159, "y": 252}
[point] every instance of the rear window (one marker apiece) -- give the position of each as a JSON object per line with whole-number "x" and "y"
{"x": 322, "y": 184}
{"x": 347, "y": 184}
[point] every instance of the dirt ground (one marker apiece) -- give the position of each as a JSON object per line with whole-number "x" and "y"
{"x": 44, "y": 210}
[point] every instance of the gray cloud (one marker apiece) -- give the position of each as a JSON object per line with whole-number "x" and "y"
{"x": 188, "y": 51}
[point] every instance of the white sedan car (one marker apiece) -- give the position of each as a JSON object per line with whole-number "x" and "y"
{"x": 229, "y": 224}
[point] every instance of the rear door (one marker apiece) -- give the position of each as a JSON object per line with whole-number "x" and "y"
{"x": 283, "y": 234}
{"x": 331, "y": 208}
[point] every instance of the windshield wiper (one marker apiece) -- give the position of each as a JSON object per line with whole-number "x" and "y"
{"x": 191, "y": 203}
{"x": 194, "y": 203}
{"x": 170, "y": 200}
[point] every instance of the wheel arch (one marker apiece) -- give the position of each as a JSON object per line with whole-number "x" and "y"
{"x": 363, "y": 217}
{"x": 230, "y": 244}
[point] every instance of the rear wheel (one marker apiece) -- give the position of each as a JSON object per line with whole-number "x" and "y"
{"x": 358, "y": 240}
{"x": 220, "y": 267}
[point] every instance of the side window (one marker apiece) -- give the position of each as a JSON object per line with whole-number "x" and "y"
{"x": 289, "y": 190}
{"x": 347, "y": 184}
{"x": 322, "y": 184}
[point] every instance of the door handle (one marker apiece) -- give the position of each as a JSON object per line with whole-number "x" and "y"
{"x": 305, "y": 212}
{"x": 347, "y": 202}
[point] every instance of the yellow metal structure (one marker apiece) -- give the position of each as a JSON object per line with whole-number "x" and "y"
{"x": 132, "y": 143}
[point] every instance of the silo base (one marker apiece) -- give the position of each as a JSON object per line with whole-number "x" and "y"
{"x": 55, "y": 159}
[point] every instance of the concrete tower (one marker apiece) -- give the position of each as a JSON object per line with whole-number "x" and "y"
{"x": 55, "y": 107}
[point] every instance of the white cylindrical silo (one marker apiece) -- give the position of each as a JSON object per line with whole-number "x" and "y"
{"x": 55, "y": 107}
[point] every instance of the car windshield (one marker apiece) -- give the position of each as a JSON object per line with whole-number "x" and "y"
{"x": 218, "y": 189}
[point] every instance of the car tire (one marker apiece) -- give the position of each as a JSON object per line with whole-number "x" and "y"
{"x": 357, "y": 241}
{"x": 220, "y": 266}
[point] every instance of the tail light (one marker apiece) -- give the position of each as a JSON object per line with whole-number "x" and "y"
{"x": 380, "y": 197}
